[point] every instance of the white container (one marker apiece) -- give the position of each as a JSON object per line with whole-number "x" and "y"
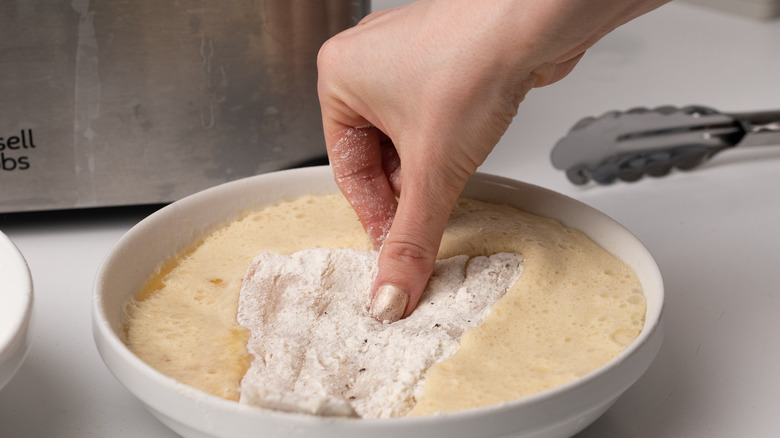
{"x": 560, "y": 412}
{"x": 16, "y": 303}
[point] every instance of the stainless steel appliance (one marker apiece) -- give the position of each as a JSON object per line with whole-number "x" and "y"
{"x": 106, "y": 102}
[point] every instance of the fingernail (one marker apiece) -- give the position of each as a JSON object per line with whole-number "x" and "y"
{"x": 388, "y": 304}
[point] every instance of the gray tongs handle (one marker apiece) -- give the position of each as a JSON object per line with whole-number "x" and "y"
{"x": 627, "y": 145}
{"x": 761, "y": 128}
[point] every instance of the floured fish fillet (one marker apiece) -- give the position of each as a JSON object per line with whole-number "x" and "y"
{"x": 316, "y": 349}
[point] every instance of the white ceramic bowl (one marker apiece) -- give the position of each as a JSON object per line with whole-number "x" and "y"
{"x": 16, "y": 303}
{"x": 556, "y": 413}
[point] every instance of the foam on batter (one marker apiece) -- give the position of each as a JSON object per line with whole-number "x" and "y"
{"x": 574, "y": 307}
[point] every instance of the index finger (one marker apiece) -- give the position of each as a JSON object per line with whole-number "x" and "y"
{"x": 356, "y": 158}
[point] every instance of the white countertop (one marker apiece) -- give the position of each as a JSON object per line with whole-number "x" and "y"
{"x": 713, "y": 231}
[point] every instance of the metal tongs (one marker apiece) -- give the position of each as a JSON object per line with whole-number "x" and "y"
{"x": 641, "y": 141}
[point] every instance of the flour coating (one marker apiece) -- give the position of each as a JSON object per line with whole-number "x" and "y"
{"x": 316, "y": 348}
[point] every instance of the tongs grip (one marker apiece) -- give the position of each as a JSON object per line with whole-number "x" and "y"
{"x": 628, "y": 145}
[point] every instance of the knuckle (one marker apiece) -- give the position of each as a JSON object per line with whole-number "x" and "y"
{"x": 412, "y": 256}
{"x": 326, "y": 53}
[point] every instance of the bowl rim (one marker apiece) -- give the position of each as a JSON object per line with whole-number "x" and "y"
{"x": 643, "y": 349}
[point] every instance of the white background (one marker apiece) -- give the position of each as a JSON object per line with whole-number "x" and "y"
{"x": 713, "y": 231}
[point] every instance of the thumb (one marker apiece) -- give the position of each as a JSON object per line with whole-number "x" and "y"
{"x": 407, "y": 257}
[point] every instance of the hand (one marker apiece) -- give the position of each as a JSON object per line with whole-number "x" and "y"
{"x": 414, "y": 99}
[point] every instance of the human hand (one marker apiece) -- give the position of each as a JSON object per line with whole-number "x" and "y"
{"x": 414, "y": 99}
